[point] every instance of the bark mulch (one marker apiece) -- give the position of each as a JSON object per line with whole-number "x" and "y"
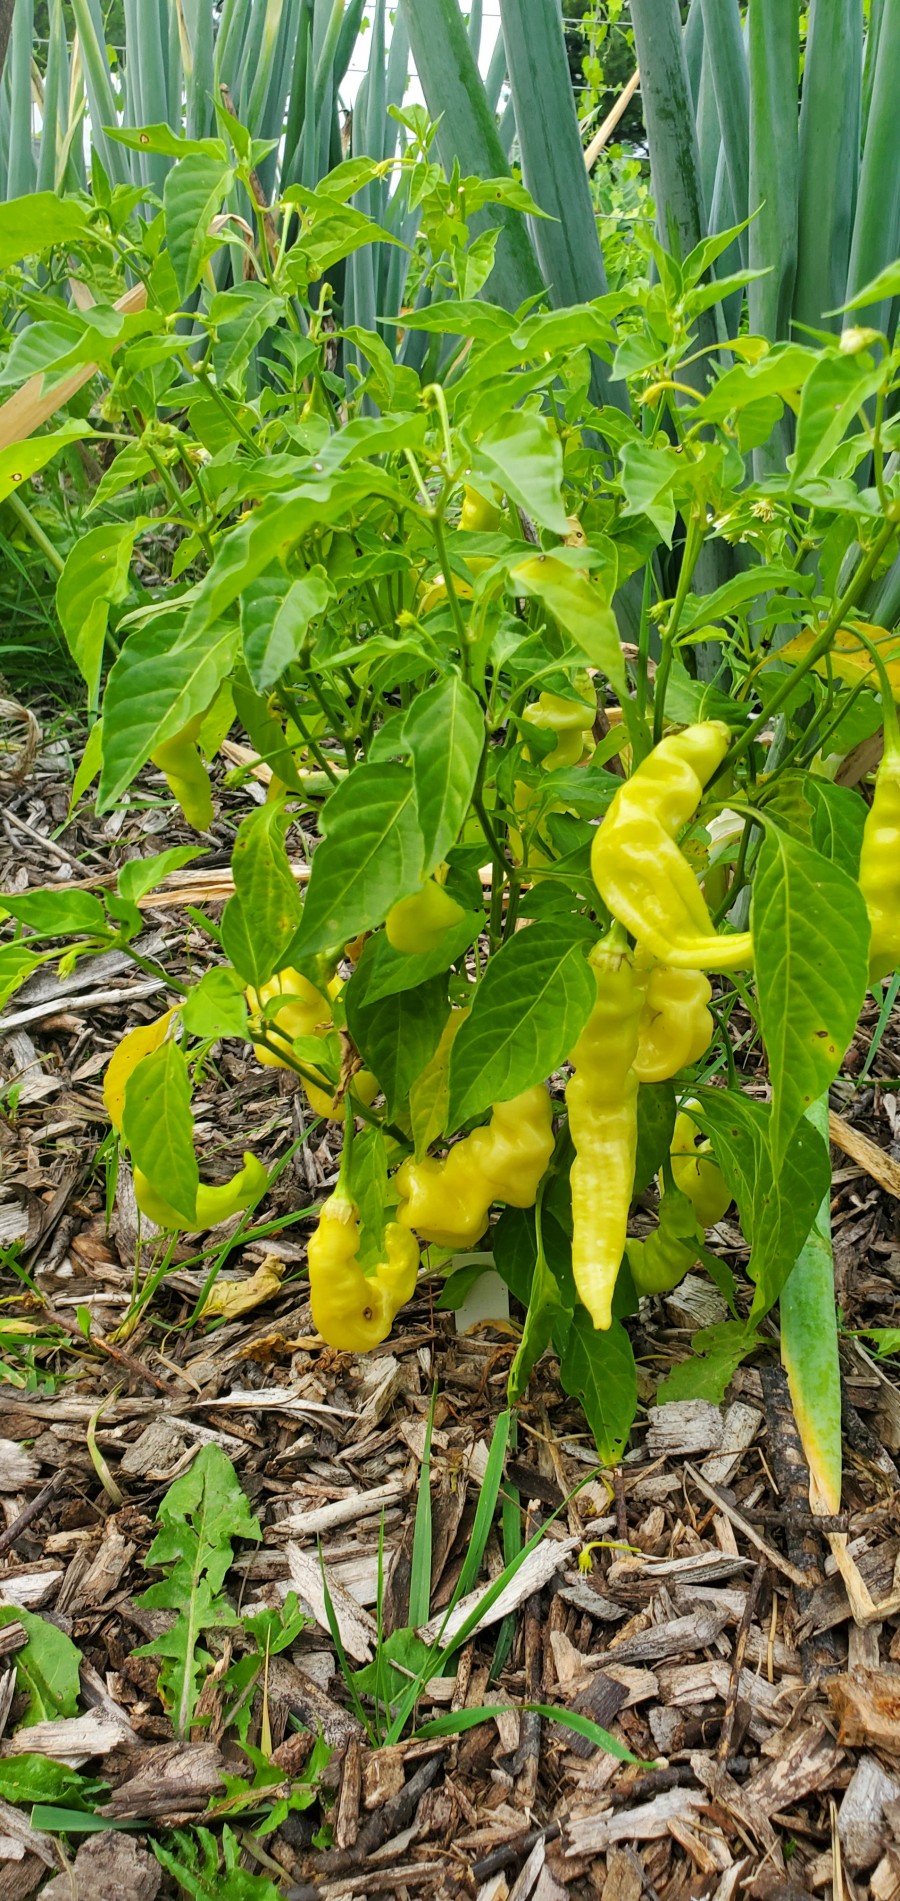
{"x": 712, "y": 1637}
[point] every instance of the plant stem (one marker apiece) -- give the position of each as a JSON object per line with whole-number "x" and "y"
{"x": 36, "y": 532}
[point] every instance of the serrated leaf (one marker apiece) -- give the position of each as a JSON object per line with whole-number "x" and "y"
{"x": 162, "y": 678}
{"x": 581, "y": 609}
{"x": 598, "y": 1368}
{"x": 444, "y": 732}
{"x": 371, "y": 855}
{"x": 192, "y": 194}
{"x": 158, "y": 1127}
{"x": 717, "y": 1353}
{"x": 199, "y": 1517}
{"x": 259, "y": 922}
{"x": 529, "y": 1010}
{"x": 94, "y": 578}
{"x": 811, "y": 938}
{"x": 275, "y": 615}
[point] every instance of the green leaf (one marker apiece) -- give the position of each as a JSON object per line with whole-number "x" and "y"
{"x": 545, "y": 1311}
{"x": 195, "y": 1868}
{"x": 94, "y": 579}
{"x": 398, "y": 1034}
{"x": 24, "y": 459}
{"x": 158, "y": 1127}
{"x": 16, "y": 964}
{"x": 580, "y": 607}
{"x": 777, "y": 1203}
{"x": 717, "y": 1353}
{"x": 371, "y": 855}
{"x": 140, "y": 875}
{"x": 839, "y": 817}
{"x": 25, "y": 1779}
{"x": 275, "y": 616}
{"x": 47, "y": 1667}
{"x": 259, "y": 922}
{"x": 368, "y": 1187}
{"x": 809, "y": 1347}
{"x": 444, "y": 731}
{"x": 216, "y": 1005}
{"x": 656, "y": 1120}
{"x": 388, "y": 970}
{"x": 811, "y": 938}
{"x": 835, "y": 390}
{"x": 58, "y": 913}
{"x": 598, "y": 1368}
{"x": 199, "y": 1517}
{"x": 647, "y": 478}
{"x": 39, "y": 222}
{"x": 162, "y": 678}
{"x": 529, "y": 1010}
{"x": 192, "y": 194}
{"x": 520, "y": 454}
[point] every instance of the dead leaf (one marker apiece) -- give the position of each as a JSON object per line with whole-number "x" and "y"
{"x": 231, "y": 1298}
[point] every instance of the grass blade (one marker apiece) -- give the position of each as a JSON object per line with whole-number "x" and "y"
{"x": 420, "y": 1566}
{"x": 731, "y": 81}
{"x": 671, "y": 131}
{"x": 487, "y": 1504}
{"x": 876, "y": 227}
{"x": 20, "y": 170}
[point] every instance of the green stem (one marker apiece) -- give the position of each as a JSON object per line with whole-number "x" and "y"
{"x": 321, "y": 758}
{"x": 36, "y": 532}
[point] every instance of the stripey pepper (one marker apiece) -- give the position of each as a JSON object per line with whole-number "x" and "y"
{"x": 447, "y": 1202}
{"x": 643, "y": 878}
{"x": 676, "y": 1026}
{"x": 602, "y": 1101}
{"x": 215, "y": 1202}
{"x": 354, "y": 1311}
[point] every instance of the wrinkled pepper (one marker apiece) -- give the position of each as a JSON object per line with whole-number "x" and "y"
{"x": 601, "y": 1097}
{"x": 446, "y": 1202}
{"x": 354, "y": 1311}
{"x": 419, "y": 923}
{"x": 643, "y": 878}
{"x": 879, "y": 864}
{"x": 676, "y": 1026}
{"x": 185, "y": 774}
{"x": 698, "y": 1198}
{"x": 214, "y": 1202}
{"x": 306, "y": 1011}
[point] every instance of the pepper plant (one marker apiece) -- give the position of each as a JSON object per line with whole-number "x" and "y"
{"x": 539, "y": 843}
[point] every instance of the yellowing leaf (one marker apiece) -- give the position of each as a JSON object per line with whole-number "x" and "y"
{"x": 849, "y": 658}
{"x": 132, "y": 1049}
{"x": 231, "y": 1298}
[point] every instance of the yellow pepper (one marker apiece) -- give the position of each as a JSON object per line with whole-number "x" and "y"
{"x": 214, "y": 1202}
{"x": 698, "y": 1199}
{"x": 447, "y": 1202}
{"x": 186, "y": 775}
{"x": 354, "y": 1311}
{"x": 420, "y": 923}
{"x": 306, "y": 1011}
{"x": 879, "y": 864}
{"x": 601, "y": 1097}
{"x": 478, "y": 516}
{"x": 676, "y": 1026}
{"x": 643, "y": 878}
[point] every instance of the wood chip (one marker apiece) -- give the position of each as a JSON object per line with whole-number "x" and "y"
{"x": 867, "y": 1706}
{"x": 536, "y": 1570}
{"x": 357, "y": 1628}
{"x": 881, "y": 1166}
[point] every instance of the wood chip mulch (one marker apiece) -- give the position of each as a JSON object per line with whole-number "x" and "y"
{"x": 712, "y": 1637}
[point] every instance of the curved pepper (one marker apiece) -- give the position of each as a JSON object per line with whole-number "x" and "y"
{"x": 602, "y": 1101}
{"x": 676, "y": 1026}
{"x": 698, "y": 1199}
{"x": 640, "y": 873}
{"x": 879, "y": 863}
{"x": 447, "y": 1202}
{"x": 215, "y": 1202}
{"x": 421, "y": 922}
{"x": 186, "y": 775}
{"x": 354, "y": 1311}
